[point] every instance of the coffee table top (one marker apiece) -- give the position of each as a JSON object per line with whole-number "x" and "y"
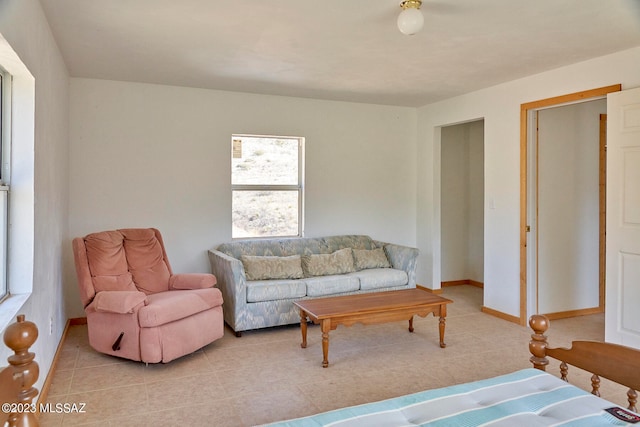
{"x": 322, "y": 308}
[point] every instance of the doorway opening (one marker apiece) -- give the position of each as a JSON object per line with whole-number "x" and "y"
{"x": 562, "y": 214}
{"x": 462, "y": 204}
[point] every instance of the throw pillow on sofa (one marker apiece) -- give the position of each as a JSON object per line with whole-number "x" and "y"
{"x": 370, "y": 258}
{"x": 338, "y": 262}
{"x": 272, "y": 267}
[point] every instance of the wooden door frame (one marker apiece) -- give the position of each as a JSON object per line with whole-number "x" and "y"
{"x": 603, "y": 208}
{"x": 524, "y": 133}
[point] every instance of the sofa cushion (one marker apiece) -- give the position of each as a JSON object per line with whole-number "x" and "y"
{"x": 354, "y": 241}
{"x": 376, "y": 278}
{"x": 372, "y": 258}
{"x": 259, "y": 247}
{"x": 165, "y": 307}
{"x": 274, "y": 247}
{"x": 272, "y": 267}
{"x": 273, "y": 290}
{"x": 329, "y": 285}
{"x": 303, "y": 246}
{"x": 338, "y": 262}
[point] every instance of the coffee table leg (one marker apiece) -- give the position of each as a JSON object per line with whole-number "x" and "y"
{"x": 442, "y": 323}
{"x": 411, "y": 324}
{"x": 326, "y": 327}
{"x": 443, "y": 314}
{"x": 303, "y": 328}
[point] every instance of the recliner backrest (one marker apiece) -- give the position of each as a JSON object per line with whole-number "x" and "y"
{"x": 147, "y": 259}
{"x": 128, "y": 260}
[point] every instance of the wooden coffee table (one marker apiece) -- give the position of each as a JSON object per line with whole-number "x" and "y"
{"x": 368, "y": 309}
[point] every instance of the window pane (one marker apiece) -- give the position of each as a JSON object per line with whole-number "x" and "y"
{"x": 1, "y": 123}
{"x": 264, "y": 161}
{"x": 264, "y": 213}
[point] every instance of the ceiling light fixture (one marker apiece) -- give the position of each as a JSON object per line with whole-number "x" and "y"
{"x": 410, "y": 20}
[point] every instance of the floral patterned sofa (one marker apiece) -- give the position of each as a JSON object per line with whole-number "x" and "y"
{"x": 261, "y": 278}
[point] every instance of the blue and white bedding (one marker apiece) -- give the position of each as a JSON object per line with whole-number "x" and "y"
{"x": 529, "y": 397}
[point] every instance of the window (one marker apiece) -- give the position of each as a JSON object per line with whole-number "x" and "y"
{"x": 17, "y": 171}
{"x": 5, "y": 108}
{"x": 267, "y": 176}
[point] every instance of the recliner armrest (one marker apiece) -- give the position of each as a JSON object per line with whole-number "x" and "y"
{"x": 121, "y": 302}
{"x": 192, "y": 281}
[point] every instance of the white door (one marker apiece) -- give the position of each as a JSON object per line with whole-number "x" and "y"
{"x": 622, "y": 321}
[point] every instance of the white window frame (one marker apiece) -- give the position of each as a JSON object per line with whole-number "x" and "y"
{"x": 20, "y": 252}
{"x": 5, "y": 173}
{"x": 299, "y": 188}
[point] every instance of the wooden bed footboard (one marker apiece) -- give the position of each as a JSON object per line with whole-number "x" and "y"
{"x": 17, "y": 379}
{"x": 614, "y": 362}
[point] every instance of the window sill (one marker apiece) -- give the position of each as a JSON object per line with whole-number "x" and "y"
{"x": 10, "y": 307}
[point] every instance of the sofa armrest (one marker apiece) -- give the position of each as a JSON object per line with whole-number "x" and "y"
{"x": 191, "y": 281}
{"x": 402, "y": 258}
{"x": 232, "y": 282}
{"x": 121, "y": 302}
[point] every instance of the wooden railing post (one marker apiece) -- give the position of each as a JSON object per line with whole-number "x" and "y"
{"x": 19, "y": 337}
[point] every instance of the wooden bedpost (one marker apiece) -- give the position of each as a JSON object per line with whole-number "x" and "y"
{"x": 22, "y": 373}
{"x": 538, "y": 344}
{"x": 632, "y": 398}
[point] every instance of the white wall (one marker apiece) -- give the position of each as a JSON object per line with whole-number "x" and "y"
{"x": 149, "y": 155}
{"x": 455, "y": 202}
{"x": 23, "y": 25}
{"x": 500, "y": 108}
{"x": 475, "y": 244}
{"x": 569, "y": 176}
{"x": 462, "y": 202}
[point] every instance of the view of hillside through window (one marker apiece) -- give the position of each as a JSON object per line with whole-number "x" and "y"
{"x": 266, "y": 186}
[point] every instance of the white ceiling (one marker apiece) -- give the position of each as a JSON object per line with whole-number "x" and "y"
{"x": 348, "y": 50}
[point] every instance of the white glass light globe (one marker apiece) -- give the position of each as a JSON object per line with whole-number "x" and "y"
{"x": 410, "y": 21}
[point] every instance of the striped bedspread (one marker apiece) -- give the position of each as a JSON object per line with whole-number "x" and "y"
{"x": 528, "y": 397}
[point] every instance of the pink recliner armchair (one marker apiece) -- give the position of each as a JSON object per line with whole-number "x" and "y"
{"x": 136, "y": 307}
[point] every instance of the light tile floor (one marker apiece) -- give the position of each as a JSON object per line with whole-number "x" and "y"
{"x": 266, "y": 376}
